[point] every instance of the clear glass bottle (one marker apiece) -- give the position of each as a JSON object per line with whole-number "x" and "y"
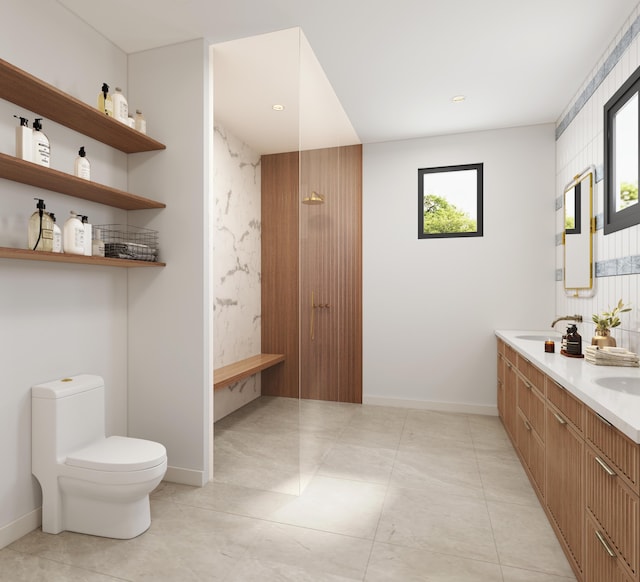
{"x": 141, "y": 122}
{"x": 40, "y": 233}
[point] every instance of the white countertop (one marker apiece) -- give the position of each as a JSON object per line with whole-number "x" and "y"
{"x": 620, "y": 408}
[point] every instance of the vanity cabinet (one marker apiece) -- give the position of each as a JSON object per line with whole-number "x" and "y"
{"x": 585, "y": 472}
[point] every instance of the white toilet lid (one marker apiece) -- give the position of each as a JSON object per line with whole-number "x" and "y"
{"x": 118, "y": 453}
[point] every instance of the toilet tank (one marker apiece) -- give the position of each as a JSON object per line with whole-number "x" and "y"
{"x": 67, "y": 414}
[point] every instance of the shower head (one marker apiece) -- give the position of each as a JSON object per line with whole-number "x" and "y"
{"x": 313, "y": 198}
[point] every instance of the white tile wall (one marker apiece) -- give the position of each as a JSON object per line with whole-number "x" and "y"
{"x": 582, "y": 145}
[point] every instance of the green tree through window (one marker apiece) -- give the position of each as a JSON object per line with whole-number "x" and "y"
{"x": 440, "y": 216}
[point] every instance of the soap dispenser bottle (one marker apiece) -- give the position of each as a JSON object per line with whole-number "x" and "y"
{"x": 40, "y": 233}
{"x": 105, "y": 104}
{"x": 73, "y": 235}
{"x": 57, "y": 235}
{"x": 120, "y": 106}
{"x": 574, "y": 341}
{"x": 41, "y": 149}
{"x": 24, "y": 147}
{"x": 82, "y": 167}
{"x": 87, "y": 235}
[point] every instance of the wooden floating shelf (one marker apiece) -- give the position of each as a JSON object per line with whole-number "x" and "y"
{"x": 45, "y": 100}
{"x": 27, "y": 255}
{"x": 227, "y": 375}
{"x": 32, "y": 174}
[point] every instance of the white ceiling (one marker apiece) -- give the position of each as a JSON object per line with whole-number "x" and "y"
{"x": 394, "y": 66}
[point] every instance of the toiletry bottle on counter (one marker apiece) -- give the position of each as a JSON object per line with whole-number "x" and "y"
{"x": 120, "y": 106}
{"x": 82, "y": 167}
{"x": 87, "y": 236}
{"x": 105, "y": 104}
{"x": 574, "y": 341}
{"x": 73, "y": 235}
{"x": 97, "y": 247}
{"x": 57, "y": 235}
{"x": 24, "y": 147}
{"x": 141, "y": 122}
{"x": 40, "y": 229}
{"x": 41, "y": 149}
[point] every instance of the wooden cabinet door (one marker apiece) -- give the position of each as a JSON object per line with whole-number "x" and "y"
{"x": 510, "y": 399}
{"x": 601, "y": 561}
{"x": 500, "y": 395}
{"x": 564, "y": 468}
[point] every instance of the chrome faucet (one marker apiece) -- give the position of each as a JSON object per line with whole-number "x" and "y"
{"x": 577, "y": 318}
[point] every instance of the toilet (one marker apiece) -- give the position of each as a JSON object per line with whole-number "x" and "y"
{"x": 91, "y": 483}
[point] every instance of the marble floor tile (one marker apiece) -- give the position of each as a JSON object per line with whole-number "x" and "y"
{"x": 447, "y": 524}
{"x": 336, "y": 505}
{"x": 506, "y": 481}
{"x": 518, "y": 575}
{"x": 524, "y": 539}
{"x": 346, "y": 461}
{"x": 389, "y": 562}
{"x": 273, "y": 571}
{"x": 437, "y": 425}
{"x": 376, "y": 439}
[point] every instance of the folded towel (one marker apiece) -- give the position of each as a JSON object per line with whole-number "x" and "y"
{"x": 610, "y": 356}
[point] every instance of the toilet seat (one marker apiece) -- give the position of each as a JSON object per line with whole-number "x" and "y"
{"x": 118, "y": 454}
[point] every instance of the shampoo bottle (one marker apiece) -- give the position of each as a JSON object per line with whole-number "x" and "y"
{"x": 82, "y": 167}
{"x": 24, "y": 147}
{"x": 87, "y": 236}
{"x": 105, "y": 104}
{"x": 140, "y": 122}
{"x": 120, "y": 106}
{"x": 41, "y": 150}
{"x": 40, "y": 229}
{"x": 57, "y": 235}
{"x": 73, "y": 235}
{"x": 97, "y": 247}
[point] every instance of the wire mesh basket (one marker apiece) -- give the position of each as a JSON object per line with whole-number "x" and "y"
{"x": 123, "y": 241}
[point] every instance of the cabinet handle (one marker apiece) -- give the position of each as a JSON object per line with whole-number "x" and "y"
{"x": 559, "y": 418}
{"x": 508, "y": 365}
{"x": 603, "y": 420}
{"x": 605, "y": 544}
{"x": 527, "y": 384}
{"x": 527, "y": 425}
{"x": 608, "y": 470}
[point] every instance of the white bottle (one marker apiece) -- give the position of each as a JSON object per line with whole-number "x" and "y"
{"x": 141, "y": 122}
{"x": 97, "y": 247}
{"x": 120, "y": 106}
{"x": 73, "y": 235}
{"x": 82, "y": 167}
{"x": 40, "y": 232}
{"x": 57, "y": 235}
{"x": 87, "y": 236}
{"x": 24, "y": 147}
{"x": 41, "y": 149}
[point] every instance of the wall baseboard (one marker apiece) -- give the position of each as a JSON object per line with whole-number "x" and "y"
{"x": 20, "y": 527}
{"x": 437, "y": 406}
{"x": 186, "y": 476}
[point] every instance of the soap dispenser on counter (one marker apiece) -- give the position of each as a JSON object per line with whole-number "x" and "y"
{"x": 574, "y": 343}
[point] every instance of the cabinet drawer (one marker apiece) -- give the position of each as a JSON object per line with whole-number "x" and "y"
{"x": 531, "y": 449}
{"x": 602, "y": 564}
{"x": 620, "y": 452}
{"x": 614, "y": 507}
{"x": 532, "y": 405}
{"x": 531, "y": 373}
{"x": 570, "y": 407}
{"x": 510, "y": 354}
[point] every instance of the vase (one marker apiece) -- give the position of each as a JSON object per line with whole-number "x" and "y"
{"x": 603, "y": 338}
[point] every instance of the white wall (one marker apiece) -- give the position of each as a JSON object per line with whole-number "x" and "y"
{"x": 431, "y": 306}
{"x": 170, "y": 309}
{"x": 580, "y": 145}
{"x": 55, "y": 319}
{"x": 236, "y": 254}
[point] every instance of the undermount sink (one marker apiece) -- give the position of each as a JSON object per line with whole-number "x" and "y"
{"x": 539, "y": 338}
{"x": 620, "y": 383}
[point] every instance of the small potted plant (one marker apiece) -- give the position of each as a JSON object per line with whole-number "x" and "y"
{"x": 605, "y": 322}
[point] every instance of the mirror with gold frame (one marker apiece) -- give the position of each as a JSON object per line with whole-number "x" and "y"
{"x": 577, "y": 234}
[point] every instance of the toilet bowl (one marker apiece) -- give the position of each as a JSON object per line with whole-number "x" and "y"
{"x": 91, "y": 483}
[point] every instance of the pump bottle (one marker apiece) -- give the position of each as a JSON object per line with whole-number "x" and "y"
{"x": 73, "y": 235}
{"x": 57, "y": 235}
{"x": 120, "y": 106}
{"x": 41, "y": 150}
{"x": 87, "y": 236}
{"x": 82, "y": 167}
{"x": 105, "y": 104}
{"x": 24, "y": 147}
{"x": 574, "y": 341}
{"x": 40, "y": 229}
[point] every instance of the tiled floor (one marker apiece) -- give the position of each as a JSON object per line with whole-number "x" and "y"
{"x": 388, "y": 495}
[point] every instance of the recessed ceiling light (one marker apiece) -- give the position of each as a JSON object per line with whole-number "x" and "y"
{"x": 278, "y": 107}
{"x": 458, "y": 98}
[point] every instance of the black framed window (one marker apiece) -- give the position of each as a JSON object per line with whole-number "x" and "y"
{"x": 622, "y": 156}
{"x": 450, "y": 201}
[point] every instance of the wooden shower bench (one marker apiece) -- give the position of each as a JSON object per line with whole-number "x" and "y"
{"x": 226, "y": 375}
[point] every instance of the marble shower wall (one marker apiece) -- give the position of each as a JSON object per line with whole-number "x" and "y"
{"x": 579, "y": 144}
{"x": 236, "y": 257}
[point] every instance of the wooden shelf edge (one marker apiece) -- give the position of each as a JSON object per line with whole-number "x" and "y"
{"x": 17, "y": 170}
{"x": 227, "y": 375}
{"x": 25, "y": 90}
{"x": 27, "y": 255}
